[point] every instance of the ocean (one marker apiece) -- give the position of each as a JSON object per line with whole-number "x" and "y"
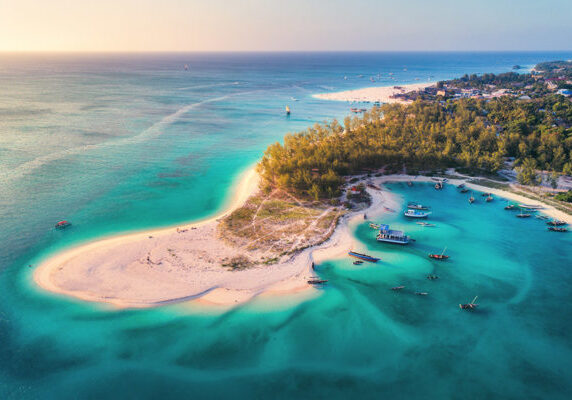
{"x": 117, "y": 143}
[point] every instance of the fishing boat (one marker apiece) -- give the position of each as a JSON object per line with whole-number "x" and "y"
{"x": 63, "y": 225}
{"x": 287, "y": 110}
{"x": 556, "y": 222}
{"x": 417, "y": 206}
{"x": 469, "y": 306}
{"x": 464, "y": 190}
{"x": 416, "y": 213}
{"x": 358, "y": 262}
{"x": 530, "y": 207}
{"x": 523, "y": 215}
{"x": 397, "y": 287}
{"x": 374, "y": 226}
{"x": 363, "y": 257}
{"x": 425, "y": 224}
{"x": 489, "y": 198}
{"x": 441, "y": 256}
{"x": 317, "y": 281}
{"x": 391, "y": 236}
{"x": 557, "y": 229}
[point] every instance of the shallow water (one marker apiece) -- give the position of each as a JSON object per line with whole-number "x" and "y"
{"x": 131, "y": 142}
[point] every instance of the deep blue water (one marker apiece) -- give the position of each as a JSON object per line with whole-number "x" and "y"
{"x": 117, "y": 143}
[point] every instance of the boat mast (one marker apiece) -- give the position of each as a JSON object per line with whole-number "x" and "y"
{"x": 444, "y": 251}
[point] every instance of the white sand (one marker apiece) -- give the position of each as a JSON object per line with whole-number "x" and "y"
{"x": 372, "y": 94}
{"x": 181, "y": 264}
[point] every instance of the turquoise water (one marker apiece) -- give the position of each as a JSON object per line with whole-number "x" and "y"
{"x": 121, "y": 143}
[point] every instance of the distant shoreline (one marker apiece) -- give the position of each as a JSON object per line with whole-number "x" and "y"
{"x": 380, "y": 94}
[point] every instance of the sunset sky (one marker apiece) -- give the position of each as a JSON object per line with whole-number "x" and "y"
{"x": 243, "y": 25}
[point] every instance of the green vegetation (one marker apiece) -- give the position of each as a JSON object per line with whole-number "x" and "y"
{"x": 473, "y": 134}
{"x": 567, "y": 196}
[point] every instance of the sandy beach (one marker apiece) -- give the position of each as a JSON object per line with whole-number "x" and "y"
{"x": 179, "y": 264}
{"x": 373, "y": 94}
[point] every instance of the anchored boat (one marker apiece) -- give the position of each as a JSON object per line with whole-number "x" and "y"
{"x": 416, "y": 213}
{"x": 557, "y": 229}
{"x": 556, "y": 222}
{"x": 469, "y": 306}
{"x": 363, "y": 257}
{"x": 441, "y": 256}
{"x": 391, "y": 236}
{"x": 63, "y": 224}
{"x": 417, "y": 206}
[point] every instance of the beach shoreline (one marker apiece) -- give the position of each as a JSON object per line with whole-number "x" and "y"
{"x": 113, "y": 270}
{"x": 382, "y": 94}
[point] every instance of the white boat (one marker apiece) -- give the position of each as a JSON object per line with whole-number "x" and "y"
{"x": 410, "y": 213}
{"x": 416, "y": 206}
{"x": 390, "y": 236}
{"x": 530, "y": 206}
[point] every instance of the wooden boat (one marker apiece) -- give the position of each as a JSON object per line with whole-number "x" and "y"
{"x": 523, "y": 215}
{"x": 317, "y": 281}
{"x": 441, "y": 256}
{"x": 363, "y": 257}
{"x": 425, "y": 224}
{"x": 416, "y": 213}
{"x": 489, "y": 199}
{"x": 358, "y": 262}
{"x": 439, "y": 186}
{"x": 417, "y": 206}
{"x": 464, "y": 190}
{"x": 63, "y": 225}
{"x": 557, "y": 229}
{"x": 469, "y": 306}
{"x": 374, "y": 226}
{"x": 556, "y": 222}
{"x": 397, "y": 287}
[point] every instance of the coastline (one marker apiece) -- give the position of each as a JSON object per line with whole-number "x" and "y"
{"x": 380, "y": 94}
{"x": 113, "y": 270}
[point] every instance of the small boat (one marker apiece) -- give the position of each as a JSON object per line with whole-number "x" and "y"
{"x": 416, "y": 213}
{"x": 421, "y": 293}
{"x": 542, "y": 217}
{"x": 464, "y": 190}
{"x": 63, "y": 225}
{"x": 358, "y": 262}
{"x": 557, "y": 229}
{"x": 317, "y": 281}
{"x": 417, "y": 206}
{"x": 432, "y": 277}
{"x": 461, "y": 186}
{"x": 363, "y": 257}
{"x": 523, "y": 215}
{"x": 390, "y": 236}
{"x": 287, "y": 110}
{"x": 556, "y": 222}
{"x": 530, "y": 206}
{"x": 439, "y": 186}
{"x": 425, "y": 224}
{"x": 469, "y": 306}
{"x": 485, "y": 194}
{"x": 374, "y": 226}
{"x": 510, "y": 207}
{"x": 471, "y": 199}
{"x": 489, "y": 198}
{"x": 441, "y": 256}
{"x": 397, "y": 287}
{"x": 409, "y": 183}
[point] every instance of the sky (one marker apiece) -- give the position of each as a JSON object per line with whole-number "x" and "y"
{"x": 284, "y": 25}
